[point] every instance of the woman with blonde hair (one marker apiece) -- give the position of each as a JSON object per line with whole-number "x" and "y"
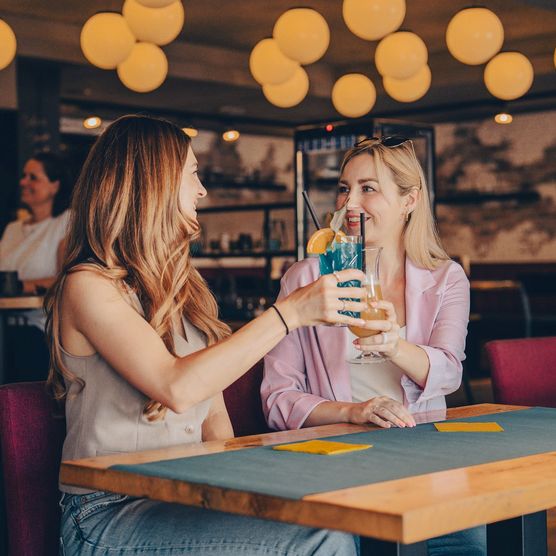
{"x": 308, "y": 379}
{"x": 129, "y": 321}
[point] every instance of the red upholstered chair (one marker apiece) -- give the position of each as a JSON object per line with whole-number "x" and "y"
{"x": 243, "y": 401}
{"x": 523, "y": 371}
{"x": 32, "y": 431}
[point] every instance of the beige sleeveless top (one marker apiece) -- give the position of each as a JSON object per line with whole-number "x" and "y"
{"x": 106, "y": 417}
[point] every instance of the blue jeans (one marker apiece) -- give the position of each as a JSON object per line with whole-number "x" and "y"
{"x": 469, "y": 542}
{"x": 104, "y": 524}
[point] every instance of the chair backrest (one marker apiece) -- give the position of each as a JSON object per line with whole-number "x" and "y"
{"x": 243, "y": 401}
{"x": 32, "y": 431}
{"x": 523, "y": 371}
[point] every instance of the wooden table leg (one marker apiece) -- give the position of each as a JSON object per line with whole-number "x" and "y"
{"x": 373, "y": 547}
{"x": 520, "y": 536}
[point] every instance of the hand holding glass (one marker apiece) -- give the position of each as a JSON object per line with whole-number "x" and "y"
{"x": 371, "y": 260}
{"x": 344, "y": 252}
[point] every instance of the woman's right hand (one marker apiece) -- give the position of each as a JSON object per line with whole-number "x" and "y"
{"x": 381, "y": 411}
{"x": 321, "y": 301}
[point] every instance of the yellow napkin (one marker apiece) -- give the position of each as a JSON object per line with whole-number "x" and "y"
{"x": 468, "y": 427}
{"x": 323, "y": 447}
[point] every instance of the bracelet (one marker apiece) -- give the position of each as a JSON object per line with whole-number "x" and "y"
{"x": 281, "y": 318}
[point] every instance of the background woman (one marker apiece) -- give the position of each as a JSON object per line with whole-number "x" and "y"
{"x": 129, "y": 323}
{"x": 33, "y": 247}
{"x": 308, "y": 380}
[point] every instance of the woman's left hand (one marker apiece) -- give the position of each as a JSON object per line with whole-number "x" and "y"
{"x": 387, "y": 340}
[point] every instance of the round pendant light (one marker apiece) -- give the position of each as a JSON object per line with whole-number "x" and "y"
{"x": 155, "y": 25}
{"x": 411, "y": 89}
{"x": 268, "y": 65}
{"x": 353, "y": 95}
{"x": 8, "y": 45}
{"x": 474, "y": 35}
{"x": 156, "y": 3}
{"x": 373, "y": 19}
{"x": 145, "y": 69}
{"x": 509, "y": 75}
{"x": 400, "y": 55}
{"x": 106, "y": 40}
{"x": 291, "y": 92}
{"x": 302, "y": 35}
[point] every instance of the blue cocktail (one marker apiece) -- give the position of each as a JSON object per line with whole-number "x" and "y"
{"x": 343, "y": 253}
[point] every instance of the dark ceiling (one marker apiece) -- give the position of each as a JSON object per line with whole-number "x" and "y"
{"x": 209, "y": 62}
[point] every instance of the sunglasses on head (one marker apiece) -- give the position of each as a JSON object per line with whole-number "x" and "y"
{"x": 390, "y": 141}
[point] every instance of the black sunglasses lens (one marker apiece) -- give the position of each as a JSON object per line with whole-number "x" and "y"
{"x": 366, "y": 140}
{"x": 394, "y": 141}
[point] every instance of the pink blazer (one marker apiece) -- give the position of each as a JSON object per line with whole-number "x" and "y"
{"x": 309, "y": 365}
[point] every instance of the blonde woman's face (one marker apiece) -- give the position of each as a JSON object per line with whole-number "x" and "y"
{"x": 191, "y": 188}
{"x": 381, "y": 203}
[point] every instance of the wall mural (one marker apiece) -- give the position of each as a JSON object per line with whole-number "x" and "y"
{"x": 253, "y": 169}
{"x": 497, "y": 188}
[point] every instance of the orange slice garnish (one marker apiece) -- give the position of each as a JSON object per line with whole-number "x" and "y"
{"x": 321, "y": 239}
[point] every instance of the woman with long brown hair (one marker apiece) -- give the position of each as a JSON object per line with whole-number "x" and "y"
{"x": 129, "y": 321}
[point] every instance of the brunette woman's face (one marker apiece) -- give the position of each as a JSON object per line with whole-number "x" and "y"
{"x": 191, "y": 188}
{"x": 383, "y": 207}
{"x": 36, "y": 187}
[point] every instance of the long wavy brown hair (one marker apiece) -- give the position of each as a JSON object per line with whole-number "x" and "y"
{"x": 127, "y": 225}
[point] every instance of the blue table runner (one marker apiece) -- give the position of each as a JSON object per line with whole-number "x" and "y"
{"x": 397, "y": 453}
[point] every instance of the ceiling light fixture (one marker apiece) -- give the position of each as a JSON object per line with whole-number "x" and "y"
{"x": 269, "y": 65}
{"x": 401, "y": 55}
{"x": 92, "y": 122}
{"x": 106, "y": 40}
{"x": 231, "y": 135}
{"x": 353, "y": 95}
{"x": 509, "y": 75}
{"x": 191, "y": 131}
{"x": 145, "y": 69}
{"x": 8, "y": 45}
{"x": 291, "y": 92}
{"x": 302, "y": 35}
{"x": 373, "y": 19}
{"x": 155, "y": 25}
{"x": 474, "y": 35}
{"x": 503, "y": 118}
{"x": 411, "y": 89}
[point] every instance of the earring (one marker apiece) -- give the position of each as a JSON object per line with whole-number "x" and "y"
{"x": 407, "y": 213}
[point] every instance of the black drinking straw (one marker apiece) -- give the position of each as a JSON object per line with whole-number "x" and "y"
{"x": 311, "y": 209}
{"x": 362, "y": 232}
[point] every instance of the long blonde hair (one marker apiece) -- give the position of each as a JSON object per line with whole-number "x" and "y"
{"x": 421, "y": 240}
{"x": 127, "y": 225}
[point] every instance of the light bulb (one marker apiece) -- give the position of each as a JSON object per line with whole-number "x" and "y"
{"x": 230, "y": 135}
{"x": 92, "y": 122}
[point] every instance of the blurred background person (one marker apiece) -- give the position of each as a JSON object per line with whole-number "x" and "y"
{"x": 32, "y": 247}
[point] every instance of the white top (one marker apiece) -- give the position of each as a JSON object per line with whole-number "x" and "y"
{"x": 31, "y": 250}
{"x": 370, "y": 380}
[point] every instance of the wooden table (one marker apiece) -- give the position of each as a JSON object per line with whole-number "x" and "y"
{"x": 8, "y": 305}
{"x": 513, "y": 494}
